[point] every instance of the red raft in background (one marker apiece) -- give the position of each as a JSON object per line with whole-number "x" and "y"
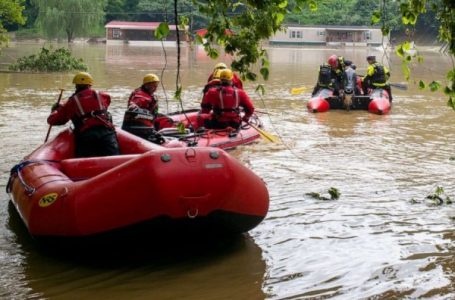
{"x": 190, "y": 132}
{"x": 376, "y": 102}
{"x": 147, "y": 189}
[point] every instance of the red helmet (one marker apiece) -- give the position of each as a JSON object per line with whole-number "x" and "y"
{"x": 333, "y": 61}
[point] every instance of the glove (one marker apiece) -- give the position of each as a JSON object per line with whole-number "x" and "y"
{"x": 55, "y": 106}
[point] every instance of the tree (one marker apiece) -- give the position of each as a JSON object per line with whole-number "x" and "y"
{"x": 10, "y": 13}
{"x": 73, "y": 18}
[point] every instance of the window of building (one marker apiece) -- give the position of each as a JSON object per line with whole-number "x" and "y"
{"x": 367, "y": 35}
{"x": 293, "y": 34}
{"x": 116, "y": 33}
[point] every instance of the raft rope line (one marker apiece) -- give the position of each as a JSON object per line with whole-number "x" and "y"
{"x": 277, "y": 132}
{"x": 16, "y": 172}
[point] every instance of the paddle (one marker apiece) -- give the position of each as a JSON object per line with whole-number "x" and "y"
{"x": 265, "y": 134}
{"x": 50, "y": 126}
{"x": 400, "y": 86}
{"x": 296, "y": 91}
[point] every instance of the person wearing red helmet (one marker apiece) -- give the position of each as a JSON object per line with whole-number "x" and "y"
{"x": 87, "y": 109}
{"x": 331, "y": 75}
{"x": 224, "y": 104}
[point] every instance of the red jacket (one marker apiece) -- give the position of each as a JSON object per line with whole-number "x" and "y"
{"x": 225, "y": 102}
{"x": 144, "y": 100}
{"x": 85, "y": 109}
{"x": 235, "y": 81}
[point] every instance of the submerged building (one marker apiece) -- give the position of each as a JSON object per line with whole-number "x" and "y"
{"x": 329, "y": 36}
{"x": 139, "y": 33}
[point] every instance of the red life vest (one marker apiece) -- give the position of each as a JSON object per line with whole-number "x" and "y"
{"x": 144, "y": 100}
{"x": 85, "y": 109}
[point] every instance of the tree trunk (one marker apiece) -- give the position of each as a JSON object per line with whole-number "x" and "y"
{"x": 69, "y": 34}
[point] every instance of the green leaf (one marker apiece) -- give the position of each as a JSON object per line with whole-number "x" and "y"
{"x": 178, "y": 94}
{"x": 264, "y": 72}
{"x": 451, "y": 102}
{"x": 421, "y": 85}
{"x": 180, "y": 127}
{"x": 399, "y": 51}
{"x": 375, "y": 17}
{"x": 451, "y": 75}
{"x": 198, "y": 39}
{"x": 283, "y": 4}
{"x": 405, "y": 70}
{"x": 313, "y": 5}
{"x": 162, "y": 31}
{"x": 260, "y": 89}
{"x": 420, "y": 59}
{"x": 434, "y": 86}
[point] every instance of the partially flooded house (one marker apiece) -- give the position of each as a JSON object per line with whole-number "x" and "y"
{"x": 329, "y": 36}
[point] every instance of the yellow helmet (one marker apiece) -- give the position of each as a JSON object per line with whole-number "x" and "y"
{"x": 216, "y": 74}
{"x": 150, "y": 78}
{"x": 83, "y": 78}
{"x": 220, "y": 66}
{"x": 226, "y": 74}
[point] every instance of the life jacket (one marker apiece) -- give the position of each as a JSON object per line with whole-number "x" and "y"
{"x": 378, "y": 76}
{"x": 350, "y": 80}
{"x": 145, "y": 100}
{"x": 84, "y": 118}
{"x": 227, "y": 110}
{"x": 325, "y": 75}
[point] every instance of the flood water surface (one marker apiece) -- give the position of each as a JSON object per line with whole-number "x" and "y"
{"x": 381, "y": 239}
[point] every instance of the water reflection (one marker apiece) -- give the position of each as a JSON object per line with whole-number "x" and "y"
{"x": 175, "y": 269}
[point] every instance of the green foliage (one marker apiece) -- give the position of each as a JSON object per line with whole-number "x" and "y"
{"x": 333, "y": 192}
{"x": 251, "y": 22}
{"x": 49, "y": 61}
{"x": 438, "y": 197}
{"x": 10, "y": 13}
{"x": 70, "y": 18}
{"x": 162, "y": 31}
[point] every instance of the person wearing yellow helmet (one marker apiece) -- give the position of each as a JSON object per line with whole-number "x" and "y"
{"x": 142, "y": 115}
{"x": 87, "y": 109}
{"x": 223, "y": 103}
{"x": 377, "y": 76}
{"x": 214, "y": 82}
{"x": 144, "y": 97}
{"x": 235, "y": 80}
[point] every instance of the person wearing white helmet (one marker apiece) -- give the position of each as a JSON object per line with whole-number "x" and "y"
{"x": 87, "y": 109}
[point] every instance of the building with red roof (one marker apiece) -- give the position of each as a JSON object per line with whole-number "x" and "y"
{"x": 139, "y": 33}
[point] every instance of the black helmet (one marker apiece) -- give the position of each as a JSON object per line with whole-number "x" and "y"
{"x": 371, "y": 57}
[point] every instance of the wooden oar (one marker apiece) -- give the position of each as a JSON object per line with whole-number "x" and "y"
{"x": 296, "y": 91}
{"x": 50, "y": 126}
{"x": 265, "y": 134}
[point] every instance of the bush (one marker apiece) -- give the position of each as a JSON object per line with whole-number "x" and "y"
{"x": 49, "y": 61}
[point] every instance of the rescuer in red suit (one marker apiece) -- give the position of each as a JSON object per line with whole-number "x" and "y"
{"x": 87, "y": 109}
{"x": 224, "y": 104}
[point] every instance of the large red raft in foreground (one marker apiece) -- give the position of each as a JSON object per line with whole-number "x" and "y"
{"x": 148, "y": 186}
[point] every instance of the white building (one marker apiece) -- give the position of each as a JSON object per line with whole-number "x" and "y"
{"x": 329, "y": 35}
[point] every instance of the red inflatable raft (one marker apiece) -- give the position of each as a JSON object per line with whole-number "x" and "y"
{"x": 193, "y": 134}
{"x": 148, "y": 186}
{"x": 377, "y": 102}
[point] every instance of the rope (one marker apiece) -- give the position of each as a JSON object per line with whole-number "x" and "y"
{"x": 16, "y": 172}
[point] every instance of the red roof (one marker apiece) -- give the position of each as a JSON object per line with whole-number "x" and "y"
{"x": 135, "y": 25}
{"x": 202, "y": 32}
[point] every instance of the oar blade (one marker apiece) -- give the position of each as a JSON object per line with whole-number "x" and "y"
{"x": 400, "y": 86}
{"x": 296, "y": 91}
{"x": 268, "y": 136}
